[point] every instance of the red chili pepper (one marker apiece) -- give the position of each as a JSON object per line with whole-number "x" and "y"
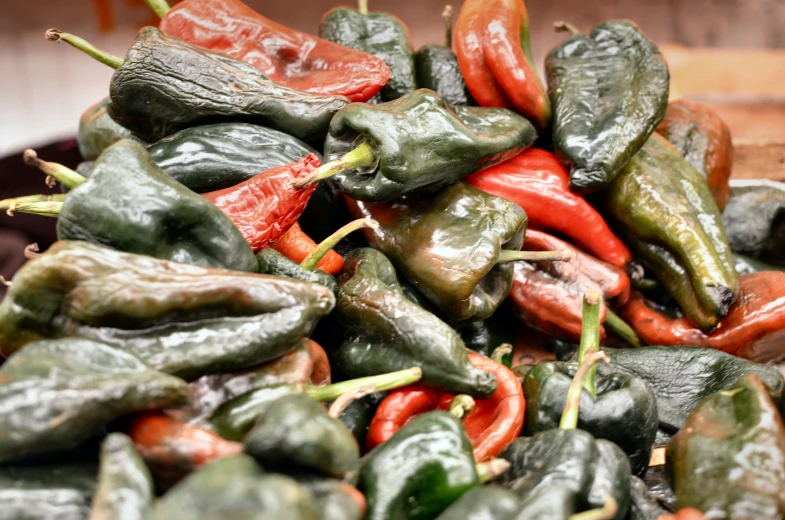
{"x": 753, "y": 329}
{"x": 492, "y": 424}
{"x": 265, "y": 206}
{"x": 537, "y": 182}
{"x": 321, "y": 374}
{"x": 292, "y": 58}
{"x": 296, "y": 245}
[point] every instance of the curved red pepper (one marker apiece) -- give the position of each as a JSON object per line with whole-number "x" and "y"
{"x": 753, "y": 329}
{"x": 296, "y": 246}
{"x": 292, "y": 58}
{"x": 265, "y": 206}
{"x": 492, "y": 424}
{"x": 537, "y": 182}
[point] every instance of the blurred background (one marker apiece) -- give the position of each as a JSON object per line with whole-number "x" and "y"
{"x": 729, "y": 53}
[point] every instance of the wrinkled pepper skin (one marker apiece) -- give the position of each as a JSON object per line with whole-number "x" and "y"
{"x": 421, "y": 144}
{"x": 437, "y": 69}
{"x": 296, "y": 246}
{"x": 483, "y": 503}
{"x": 754, "y": 220}
{"x": 704, "y": 140}
{"x": 166, "y": 85}
{"x": 754, "y": 329}
{"x": 624, "y": 411}
{"x": 296, "y": 432}
{"x": 61, "y": 491}
{"x": 296, "y": 59}
{"x": 180, "y": 319}
{"x": 729, "y": 459}
{"x": 213, "y": 157}
{"x": 385, "y": 332}
{"x": 274, "y": 263}
{"x": 56, "y": 394}
{"x": 663, "y": 201}
{"x": 131, "y": 205}
{"x": 643, "y": 505}
{"x": 98, "y": 131}
{"x": 125, "y": 487}
{"x": 536, "y": 181}
{"x": 447, "y": 245}
{"x": 609, "y": 92}
{"x": 433, "y": 448}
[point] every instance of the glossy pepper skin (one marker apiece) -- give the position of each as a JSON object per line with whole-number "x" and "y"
{"x": 437, "y": 69}
{"x": 536, "y": 181}
{"x": 166, "y": 85}
{"x": 624, "y": 411}
{"x": 130, "y": 204}
{"x": 755, "y": 220}
{"x": 729, "y": 459}
{"x": 213, "y": 157}
{"x": 234, "y": 418}
{"x": 181, "y": 319}
{"x": 359, "y": 414}
{"x": 609, "y": 92}
{"x": 298, "y": 60}
{"x": 704, "y": 140}
{"x": 296, "y": 246}
{"x": 98, "y": 131}
{"x": 664, "y": 203}
{"x": 753, "y": 329}
{"x": 483, "y": 503}
{"x": 447, "y": 244}
{"x": 56, "y": 394}
{"x": 125, "y": 487}
{"x": 432, "y": 448}
{"x": 422, "y": 144}
{"x": 35, "y": 491}
{"x": 274, "y": 263}
{"x": 384, "y": 331}
{"x": 492, "y": 46}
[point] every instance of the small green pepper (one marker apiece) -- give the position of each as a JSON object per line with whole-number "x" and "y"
{"x": 98, "y": 131}
{"x": 125, "y": 487}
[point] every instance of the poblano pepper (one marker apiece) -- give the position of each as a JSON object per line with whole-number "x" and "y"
{"x": 416, "y": 143}
{"x": 337, "y": 500}
{"x": 41, "y": 491}
{"x": 125, "y": 487}
{"x": 609, "y": 92}
{"x": 178, "y": 318}
{"x": 483, "y": 503}
{"x": 98, "y": 131}
{"x": 754, "y": 219}
{"x": 357, "y": 416}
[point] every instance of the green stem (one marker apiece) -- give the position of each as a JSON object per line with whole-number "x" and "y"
{"x": 84, "y": 46}
{"x": 569, "y": 417}
{"x": 12, "y": 203}
{"x": 381, "y": 382}
{"x": 45, "y": 209}
{"x": 340, "y": 404}
{"x": 590, "y": 333}
{"x": 497, "y": 356}
{"x": 159, "y": 7}
{"x": 606, "y": 512}
{"x": 362, "y": 156}
{"x": 461, "y": 406}
{"x": 487, "y": 471}
{"x": 362, "y": 6}
{"x": 447, "y": 17}
{"x": 508, "y": 255}
{"x": 645, "y": 284}
{"x": 619, "y": 327}
{"x": 66, "y": 176}
{"x": 562, "y": 26}
{"x": 330, "y": 242}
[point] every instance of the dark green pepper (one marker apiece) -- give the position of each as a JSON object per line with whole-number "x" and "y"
{"x": 483, "y": 503}
{"x": 359, "y": 414}
{"x": 274, "y": 263}
{"x": 233, "y": 419}
{"x": 333, "y": 497}
{"x": 644, "y": 505}
{"x": 729, "y": 459}
{"x": 56, "y": 394}
{"x": 609, "y": 91}
{"x": 61, "y": 491}
{"x": 98, "y": 131}
{"x": 125, "y": 487}
{"x": 754, "y": 219}
{"x": 384, "y": 331}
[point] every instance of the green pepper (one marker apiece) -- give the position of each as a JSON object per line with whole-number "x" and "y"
{"x": 56, "y": 394}
{"x": 180, "y": 319}
{"x": 644, "y": 505}
{"x": 236, "y": 487}
{"x": 729, "y": 459}
{"x": 331, "y": 495}
{"x": 61, "y": 491}
{"x": 384, "y": 331}
{"x": 754, "y": 219}
{"x": 274, "y": 263}
{"x": 357, "y": 416}
{"x": 609, "y": 91}
{"x": 125, "y": 487}
{"x": 483, "y": 503}
{"x": 448, "y": 244}
{"x": 661, "y": 200}
{"x": 98, "y": 131}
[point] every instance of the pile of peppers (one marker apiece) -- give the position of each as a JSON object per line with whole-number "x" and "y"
{"x": 291, "y": 270}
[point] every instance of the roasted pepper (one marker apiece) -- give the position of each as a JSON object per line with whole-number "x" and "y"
{"x": 98, "y": 131}
{"x": 754, "y": 219}
{"x": 483, "y": 503}
{"x": 729, "y": 459}
{"x": 704, "y": 140}
{"x": 125, "y": 487}
{"x": 609, "y": 92}
{"x": 665, "y": 206}
{"x": 492, "y": 46}
{"x": 180, "y": 319}
{"x": 36, "y": 491}
{"x": 164, "y": 85}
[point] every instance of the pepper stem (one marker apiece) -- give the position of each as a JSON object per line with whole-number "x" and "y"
{"x": 497, "y": 356}
{"x": 461, "y": 406}
{"x": 362, "y": 6}
{"x": 447, "y": 17}
{"x": 330, "y": 242}
{"x": 622, "y": 329}
{"x": 381, "y": 382}
{"x": 84, "y": 46}
{"x": 340, "y": 404}
{"x": 67, "y": 176}
{"x": 10, "y": 204}
{"x": 590, "y": 333}
{"x": 606, "y": 512}
{"x": 562, "y": 26}
{"x": 569, "y": 417}
{"x": 508, "y": 255}
{"x": 362, "y": 156}
{"x": 491, "y": 470}
{"x": 159, "y": 7}
{"x": 45, "y": 209}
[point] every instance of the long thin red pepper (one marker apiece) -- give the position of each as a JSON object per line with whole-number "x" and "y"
{"x": 265, "y": 206}
{"x": 296, "y": 245}
{"x": 492, "y": 424}
{"x": 537, "y": 182}
{"x": 292, "y": 58}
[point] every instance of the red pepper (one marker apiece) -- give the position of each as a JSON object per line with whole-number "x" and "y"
{"x": 753, "y": 329}
{"x": 492, "y": 424}
{"x": 537, "y": 182}
{"x": 296, "y": 245}
{"x": 265, "y": 206}
{"x": 292, "y": 58}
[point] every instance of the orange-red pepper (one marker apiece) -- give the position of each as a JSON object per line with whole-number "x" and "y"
{"x": 296, "y": 245}
{"x": 321, "y": 373}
